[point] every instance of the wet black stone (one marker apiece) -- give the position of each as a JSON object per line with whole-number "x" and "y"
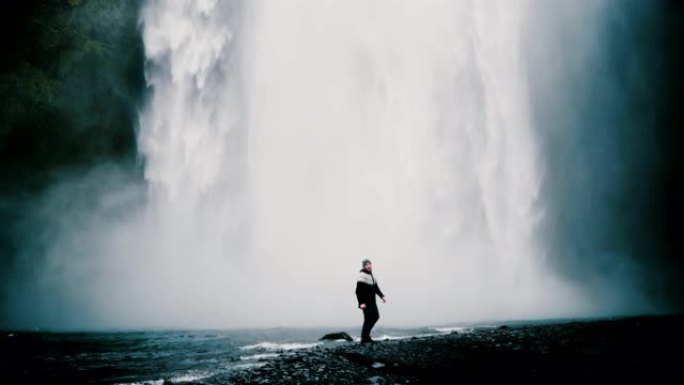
{"x": 337, "y": 336}
{"x": 637, "y": 347}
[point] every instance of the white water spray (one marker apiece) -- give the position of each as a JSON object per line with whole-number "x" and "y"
{"x": 286, "y": 141}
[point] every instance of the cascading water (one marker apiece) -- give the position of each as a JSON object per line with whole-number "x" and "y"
{"x": 286, "y": 141}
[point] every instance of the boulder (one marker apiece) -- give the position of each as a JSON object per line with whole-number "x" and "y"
{"x": 337, "y": 336}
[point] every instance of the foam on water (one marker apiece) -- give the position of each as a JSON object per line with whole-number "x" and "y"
{"x": 260, "y": 356}
{"x": 449, "y": 329}
{"x": 151, "y": 382}
{"x": 193, "y": 375}
{"x": 273, "y": 346}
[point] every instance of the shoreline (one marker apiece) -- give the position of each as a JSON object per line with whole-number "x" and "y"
{"x": 630, "y": 346}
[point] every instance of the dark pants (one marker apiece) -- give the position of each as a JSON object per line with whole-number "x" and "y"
{"x": 370, "y": 317}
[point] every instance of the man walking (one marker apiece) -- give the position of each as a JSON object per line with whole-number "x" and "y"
{"x": 366, "y": 289}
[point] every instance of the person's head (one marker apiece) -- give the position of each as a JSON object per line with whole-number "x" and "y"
{"x": 367, "y": 265}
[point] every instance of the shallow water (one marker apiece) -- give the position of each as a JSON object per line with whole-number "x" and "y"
{"x": 152, "y": 357}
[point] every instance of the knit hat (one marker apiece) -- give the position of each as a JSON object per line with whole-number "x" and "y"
{"x": 365, "y": 262}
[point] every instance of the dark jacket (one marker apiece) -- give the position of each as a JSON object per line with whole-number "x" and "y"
{"x": 367, "y": 288}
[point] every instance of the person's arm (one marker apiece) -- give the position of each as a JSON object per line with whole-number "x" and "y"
{"x": 379, "y": 292}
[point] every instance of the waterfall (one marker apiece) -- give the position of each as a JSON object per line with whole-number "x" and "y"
{"x": 286, "y": 141}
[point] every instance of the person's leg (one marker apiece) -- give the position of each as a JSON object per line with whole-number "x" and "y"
{"x": 370, "y": 317}
{"x": 367, "y": 325}
{"x": 373, "y": 317}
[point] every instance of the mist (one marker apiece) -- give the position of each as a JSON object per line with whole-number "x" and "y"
{"x": 481, "y": 154}
{"x": 603, "y": 99}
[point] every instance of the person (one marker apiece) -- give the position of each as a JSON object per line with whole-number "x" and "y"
{"x": 366, "y": 290}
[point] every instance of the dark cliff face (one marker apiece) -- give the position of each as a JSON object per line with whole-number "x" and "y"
{"x": 606, "y": 96}
{"x": 71, "y": 83}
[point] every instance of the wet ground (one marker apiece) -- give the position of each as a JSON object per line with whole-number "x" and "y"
{"x": 635, "y": 347}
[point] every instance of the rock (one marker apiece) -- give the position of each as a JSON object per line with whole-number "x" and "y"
{"x": 504, "y": 327}
{"x": 354, "y": 357}
{"x": 293, "y": 359}
{"x": 337, "y": 336}
{"x": 377, "y": 380}
{"x": 378, "y": 365}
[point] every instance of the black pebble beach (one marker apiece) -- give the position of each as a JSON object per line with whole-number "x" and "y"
{"x": 644, "y": 346}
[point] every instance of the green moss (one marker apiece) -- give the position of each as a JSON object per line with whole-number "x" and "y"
{"x": 71, "y": 86}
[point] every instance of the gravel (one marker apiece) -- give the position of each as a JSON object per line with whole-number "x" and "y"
{"x": 643, "y": 346}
